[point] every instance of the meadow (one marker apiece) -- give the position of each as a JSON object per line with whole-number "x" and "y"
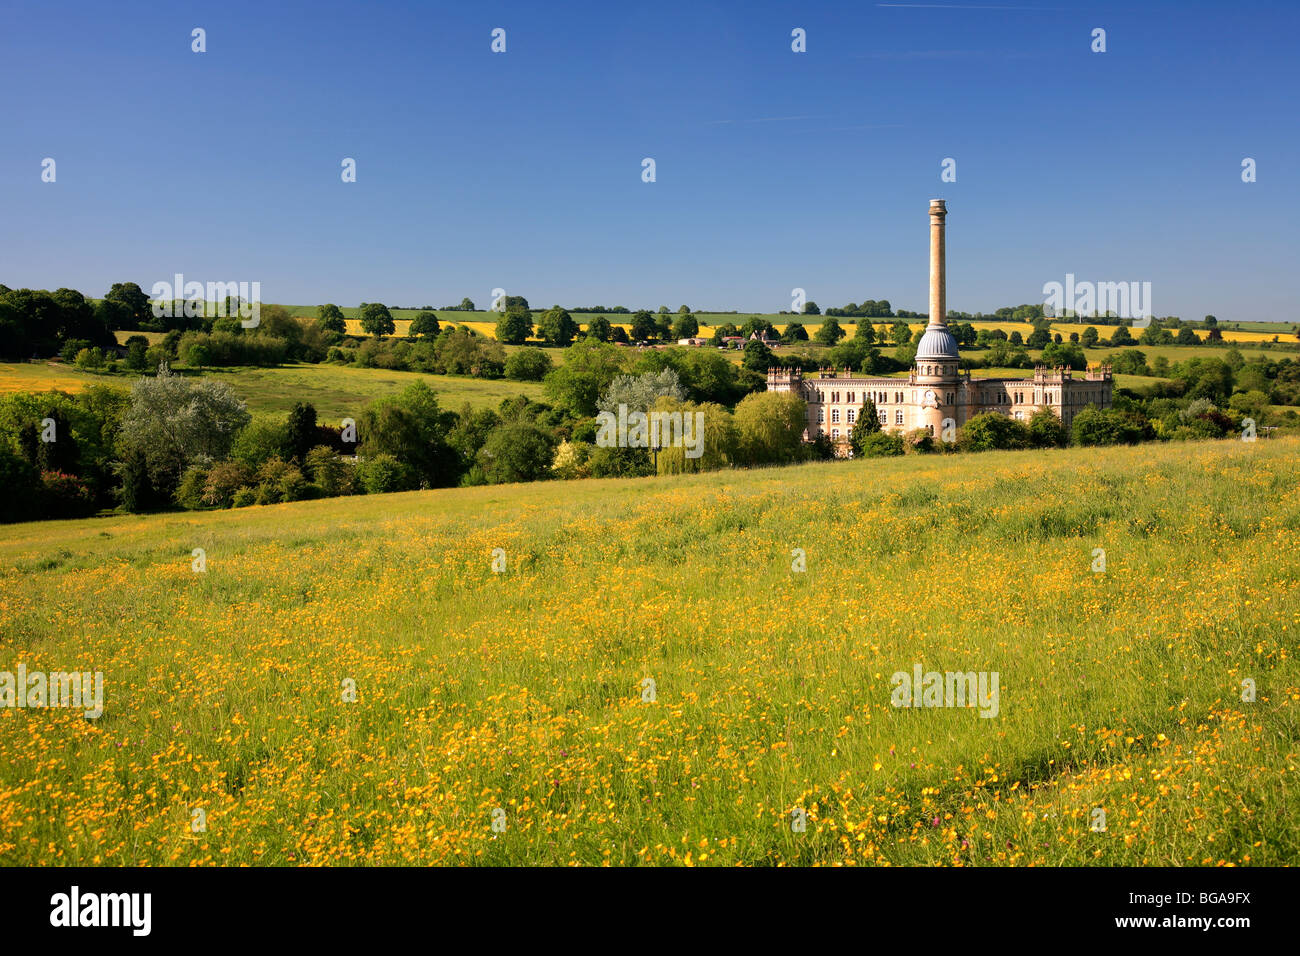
{"x": 335, "y": 391}
{"x": 524, "y": 697}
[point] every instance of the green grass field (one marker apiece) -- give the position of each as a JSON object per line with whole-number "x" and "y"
{"x": 523, "y": 698}
{"x": 335, "y": 391}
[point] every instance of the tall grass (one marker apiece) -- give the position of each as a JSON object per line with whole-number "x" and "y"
{"x": 523, "y": 690}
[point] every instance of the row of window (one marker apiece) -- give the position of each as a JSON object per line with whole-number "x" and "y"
{"x": 880, "y": 398}
{"x": 852, "y": 416}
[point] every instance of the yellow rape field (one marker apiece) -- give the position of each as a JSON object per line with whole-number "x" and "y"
{"x": 650, "y": 681}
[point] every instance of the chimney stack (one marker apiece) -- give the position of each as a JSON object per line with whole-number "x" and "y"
{"x": 938, "y": 275}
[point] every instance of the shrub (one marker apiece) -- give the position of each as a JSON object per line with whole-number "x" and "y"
{"x": 528, "y": 365}
{"x": 383, "y": 473}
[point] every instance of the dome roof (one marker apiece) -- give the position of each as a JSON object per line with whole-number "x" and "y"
{"x": 937, "y": 343}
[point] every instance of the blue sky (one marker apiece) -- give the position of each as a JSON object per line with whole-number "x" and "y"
{"x": 775, "y": 170}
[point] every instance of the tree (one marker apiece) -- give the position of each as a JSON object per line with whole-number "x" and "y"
{"x": 588, "y": 369}
{"x": 528, "y": 365}
{"x": 466, "y": 304}
{"x": 174, "y": 422}
{"x": 866, "y": 332}
{"x": 1186, "y": 336}
{"x": 992, "y": 430}
{"x": 557, "y": 326}
{"x": 425, "y": 324}
{"x": 1046, "y": 430}
{"x": 1038, "y": 338}
{"x": 1211, "y": 322}
{"x": 331, "y": 319}
{"x": 811, "y": 308}
{"x": 1090, "y": 338}
{"x": 686, "y": 327}
{"x": 1122, "y": 336}
{"x": 769, "y": 427}
{"x": 866, "y": 425}
{"x": 517, "y": 451}
{"x": 638, "y": 393}
{"x": 683, "y": 310}
{"x": 599, "y": 329}
{"x": 300, "y": 431}
{"x": 643, "y": 326}
{"x": 794, "y": 332}
{"x": 515, "y": 326}
{"x": 376, "y": 319}
{"x": 134, "y": 308}
{"x": 663, "y": 327}
{"x": 758, "y": 357}
{"x": 412, "y": 428}
{"x": 900, "y": 332}
{"x": 829, "y": 332}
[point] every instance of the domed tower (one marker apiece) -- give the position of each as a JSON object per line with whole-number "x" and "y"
{"x": 936, "y": 355}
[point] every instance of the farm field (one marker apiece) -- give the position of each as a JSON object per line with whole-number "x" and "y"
{"x": 335, "y": 391}
{"x": 526, "y": 692}
{"x": 483, "y": 326}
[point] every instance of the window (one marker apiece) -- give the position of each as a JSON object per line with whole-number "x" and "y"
{"x": 835, "y": 416}
{"x": 852, "y": 416}
{"x": 898, "y": 397}
{"x": 898, "y": 417}
{"x": 884, "y": 417}
{"x": 835, "y": 433}
{"x": 850, "y": 402}
{"x": 821, "y": 415}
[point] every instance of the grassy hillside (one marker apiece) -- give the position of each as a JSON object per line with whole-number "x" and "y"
{"x": 335, "y": 391}
{"x": 523, "y": 691}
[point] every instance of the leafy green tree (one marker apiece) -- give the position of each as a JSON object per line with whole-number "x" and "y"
{"x": 301, "y": 434}
{"x": 330, "y": 317}
{"x": 758, "y": 357}
{"x": 383, "y": 473}
{"x": 376, "y": 319}
{"x": 829, "y": 332}
{"x": 425, "y": 324}
{"x": 686, "y": 327}
{"x": 683, "y": 310}
{"x": 1046, "y": 430}
{"x": 134, "y": 309}
{"x": 866, "y": 332}
{"x": 866, "y": 425}
{"x": 900, "y": 332}
{"x": 643, "y": 327}
{"x": 1122, "y": 336}
{"x": 528, "y": 365}
{"x": 794, "y": 332}
{"x": 599, "y": 328}
{"x": 557, "y": 326}
{"x": 412, "y": 428}
{"x": 1187, "y": 336}
{"x": 992, "y": 430}
{"x": 514, "y": 327}
{"x": 21, "y": 500}
{"x": 811, "y": 308}
{"x": 466, "y": 304}
{"x": 880, "y": 444}
{"x": 175, "y": 422}
{"x": 769, "y": 427}
{"x": 587, "y": 371}
{"x": 517, "y": 451}
{"x": 1089, "y": 338}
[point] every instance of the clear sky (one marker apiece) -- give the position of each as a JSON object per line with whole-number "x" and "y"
{"x": 775, "y": 169}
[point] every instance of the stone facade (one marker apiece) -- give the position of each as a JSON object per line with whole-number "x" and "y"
{"x": 924, "y": 400}
{"x": 935, "y": 393}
